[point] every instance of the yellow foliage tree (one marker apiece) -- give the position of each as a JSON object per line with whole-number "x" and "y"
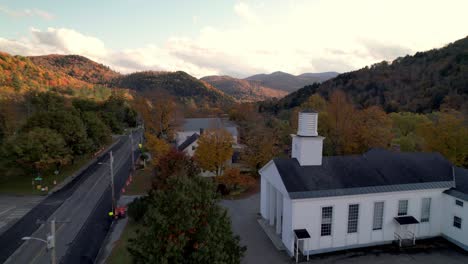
{"x": 448, "y": 135}
{"x": 214, "y": 149}
{"x": 157, "y": 147}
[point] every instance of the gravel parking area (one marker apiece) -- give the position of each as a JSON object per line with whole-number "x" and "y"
{"x": 260, "y": 249}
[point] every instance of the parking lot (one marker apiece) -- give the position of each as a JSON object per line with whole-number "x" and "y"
{"x": 14, "y": 207}
{"x": 244, "y": 214}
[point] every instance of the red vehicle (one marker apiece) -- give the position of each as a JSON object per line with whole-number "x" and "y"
{"x": 120, "y": 212}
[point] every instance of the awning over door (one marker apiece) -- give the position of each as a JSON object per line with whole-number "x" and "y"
{"x": 301, "y": 233}
{"x": 406, "y": 220}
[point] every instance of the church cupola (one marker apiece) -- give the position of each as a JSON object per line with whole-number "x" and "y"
{"x": 307, "y": 145}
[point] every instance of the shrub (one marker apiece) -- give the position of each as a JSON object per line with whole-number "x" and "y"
{"x": 234, "y": 180}
{"x": 137, "y": 208}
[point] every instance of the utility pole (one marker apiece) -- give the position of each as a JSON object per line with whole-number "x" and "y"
{"x": 50, "y": 240}
{"x": 133, "y": 151}
{"x": 111, "y": 164}
{"x": 53, "y": 256}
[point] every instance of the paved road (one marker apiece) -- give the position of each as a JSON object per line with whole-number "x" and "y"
{"x": 76, "y": 203}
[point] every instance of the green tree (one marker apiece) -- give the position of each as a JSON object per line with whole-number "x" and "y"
{"x": 69, "y": 125}
{"x": 38, "y": 149}
{"x": 97, "y": 131}
{"x": 47, "y": 102}
{"x": 185, "y": 224}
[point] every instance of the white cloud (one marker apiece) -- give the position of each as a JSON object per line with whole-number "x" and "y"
{"x": 245, "y": 11}
{"x": 296, "y": 37}
{"x": 27, "y": 13}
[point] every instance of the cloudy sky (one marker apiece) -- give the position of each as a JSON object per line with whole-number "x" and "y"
{"x": 238, "y": 38}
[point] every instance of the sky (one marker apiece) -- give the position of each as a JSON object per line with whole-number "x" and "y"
{"x": 231, "y": 37}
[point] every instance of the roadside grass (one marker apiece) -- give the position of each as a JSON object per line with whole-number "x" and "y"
{"x": 120, "y": 254}
{"x": 17, "y": 182}
{"x": 141, "y": 183}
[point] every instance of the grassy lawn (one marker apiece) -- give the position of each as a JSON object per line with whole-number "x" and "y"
{"x": 18, "y": 183}
{"x": 141, "y": 183}
{"x": 120, "y": 254}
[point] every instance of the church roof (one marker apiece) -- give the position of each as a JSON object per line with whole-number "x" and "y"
{"x": 461, "y": 184}
{"x": 375, "y": 171}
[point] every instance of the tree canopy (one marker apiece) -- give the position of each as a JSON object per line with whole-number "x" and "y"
{"x": 38, "y": 149}
{"x": 214, "y": 149}
{"x": 189, "y": 225}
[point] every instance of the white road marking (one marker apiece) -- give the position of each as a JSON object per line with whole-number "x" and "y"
{"x": 7, "y": 210}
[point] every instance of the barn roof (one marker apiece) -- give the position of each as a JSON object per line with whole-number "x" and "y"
{"x": 377, "y": 170}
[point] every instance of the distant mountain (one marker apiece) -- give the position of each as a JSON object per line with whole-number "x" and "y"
{"x": 77, "y": 66}
{"x": 418, "y": 83}
{"x": 288, "y": 82}
{"x": 243, "y": 90}
{"x": 181, "y": 85}
{"x": 19, "y": 75}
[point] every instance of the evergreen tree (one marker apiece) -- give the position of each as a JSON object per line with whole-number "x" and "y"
{"x": 185, "y": 224}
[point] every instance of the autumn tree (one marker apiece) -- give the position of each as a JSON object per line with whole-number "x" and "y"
{"x": 185, "y": 224}
{"x": 233, "y": 179}
{"x": 448, "y": 135}
{"x": 342, "y": 121}
{"x": 261, "y": 147}
{"x": 173, "y": 163}
{"x": 158, "y": 110}
{"x": 157, "y": 147}
{"x": 214, "y": 150}
{"x": 374, "y": 129}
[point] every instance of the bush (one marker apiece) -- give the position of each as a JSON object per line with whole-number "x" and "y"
{"x": 137, "y": 209}
{"x": 232, "y": 179}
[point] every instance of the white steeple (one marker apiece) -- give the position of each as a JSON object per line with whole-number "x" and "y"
{"x": 307, "y": 145}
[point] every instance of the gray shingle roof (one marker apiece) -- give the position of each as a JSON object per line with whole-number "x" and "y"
{"x": 188, "y": 141}
{"x": 461, "y": 184}
{"x": 195, "y": 124}
{"x": 364, "y": 173}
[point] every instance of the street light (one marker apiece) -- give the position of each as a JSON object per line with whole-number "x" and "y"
{"x": 50, "y": 242}
{"x": 35, "y": 238}
{"x": 111, "y": 166}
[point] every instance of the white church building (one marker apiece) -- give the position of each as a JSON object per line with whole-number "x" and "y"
{"x": 321, "y": 204}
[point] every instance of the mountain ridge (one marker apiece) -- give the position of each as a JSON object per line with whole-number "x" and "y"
{"x": 243, "y": 90}
{"x": 288, "y": 82}
{"x": 422, "y": 82}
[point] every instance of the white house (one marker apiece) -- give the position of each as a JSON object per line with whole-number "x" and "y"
{"x": 192, "y": 128}
{"x": 325, "y": 204}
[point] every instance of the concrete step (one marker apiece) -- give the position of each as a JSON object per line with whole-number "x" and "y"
{"x": 271, "y": 233}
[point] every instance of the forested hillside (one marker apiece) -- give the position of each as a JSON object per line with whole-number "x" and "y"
{"x": 184, "y": 87}
{"x": 243, "y": 90}
{"x": 19, "y": 75}
{"x": 76, "y": 66}
{"x": 288, "y": 82}
{"x": 419, "y": 83}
